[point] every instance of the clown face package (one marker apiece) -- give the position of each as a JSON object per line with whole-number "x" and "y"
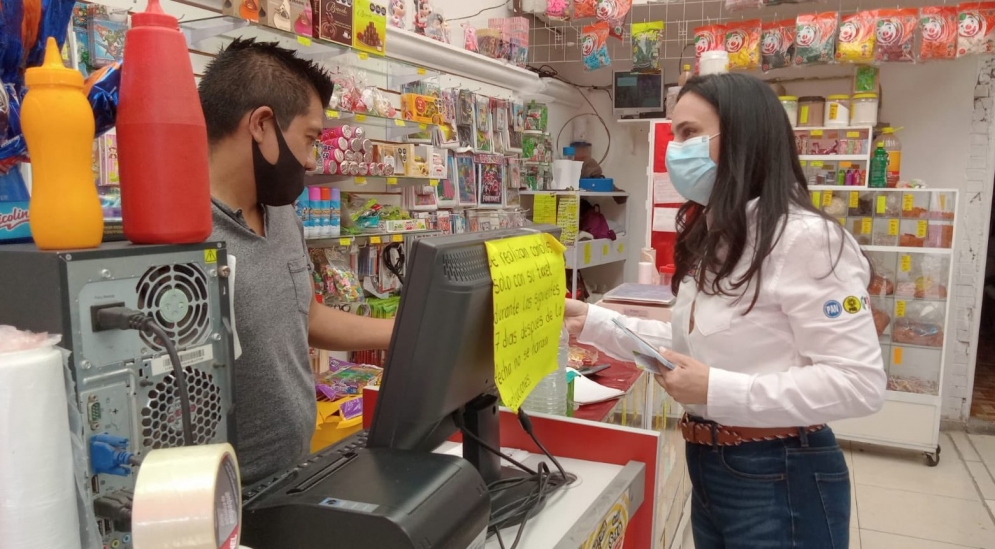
{"x": 585, "y": 8}
{"x": 708, "y": 38}
{"x": 895, "y": 33}
{"x": 594, "y": 45}
{"x": 938, "y": 25}
{"x": 815, "y": 41}
{"x": 777, "y": 44}
{"x": 742, "y": 41}
{"x": 976, "y": 28}
{"x": 856, "y": 38}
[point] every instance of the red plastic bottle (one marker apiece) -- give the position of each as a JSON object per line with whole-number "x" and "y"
{"x": 161, "y": 136}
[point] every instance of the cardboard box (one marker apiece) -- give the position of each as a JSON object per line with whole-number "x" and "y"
{"x": 333, "y": 20}
{"x": 301, "y": 17}
{"x": 243, "y": 9}
{"x": 369, "y": 21}
{"x": 420, "y": 108}
{"x": 276, "y": 14}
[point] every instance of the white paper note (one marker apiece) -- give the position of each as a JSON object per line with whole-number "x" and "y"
{"x": 665, "y": 220}
{"x": 663, "y": 190}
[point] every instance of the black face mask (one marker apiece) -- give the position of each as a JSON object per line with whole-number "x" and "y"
{"x": 281, "y": 183}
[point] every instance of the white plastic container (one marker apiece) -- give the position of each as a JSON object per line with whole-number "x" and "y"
{"x": 550, "y": 395}
{"x": 837, "y": 110}
{"x": 790, "y": 104}
{"x": 713, "y": 62}
{"x": 864, "y": 109}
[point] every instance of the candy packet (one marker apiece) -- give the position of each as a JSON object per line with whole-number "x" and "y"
{"x": 559, "y": 10}
{"x": 646, "y": 41}
{"x": 815, "y": 40}
{"x": 585, "y": 8}
{"x": 708, "y": 38}
{"x": 938, "y": 25}
{"x": 594, "y": 45}
{"x": 976, "y": 28}
{"x": 777, "y": 44}
{"x": 895, "y": 33}
{"x": 856, "y": 38}
{"x": 742, "y": 41}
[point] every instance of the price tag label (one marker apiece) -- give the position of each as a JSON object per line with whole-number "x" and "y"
{"x": 854, "y": 199}
{"x": 842, "y": 221}
{"x": 943, "y": 202}
{"x": 827, "y": 199}
{"x": 816, "y": 133}
{"x": 892, "y": 227}
{"x": 865, "y": 226}
{"x": 433, "y": 182}
{"x": 621, "y": 248}
{"x": 605, "y": 250}
{"x": 392, "y": 181}
{"x": 397, "y": 238}
{"x": 363, "y": 56}
{"x": 422, "y": 126}
{"x": 845, "y": 164}
{"x": 922, "y": 229}
{"x": 817, "y": 164}
{"x": 900, "y": 309}
{"x": 360, "y": 180}
{"x": 817, "y": 198}
{"x": 400, "y": 123}
{"x": 375, "y": 240}
{"x": 908, "y": 202}
{"x": 304, "y": 41}
{"x": 905, "y": 263}
{"x": 331, "y": 114}
{"x": 421, "y": 71}
{"x": 345, "y": 241}
{"x": 852, "y": 135}
{"x": 882, "y": 204}
{"x": 360, "y": 118}
{"x": 587, "y": 253}
{"x": 896, "y": 356}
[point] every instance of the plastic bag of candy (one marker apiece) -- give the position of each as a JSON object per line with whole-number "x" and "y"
{"x": 741, "y": 5}
{"x": 594, "y": 45}
{"x": 559, "y": 10}
{"x": 742, "y": 41}
{"x": 976, "y": 28}
{"x": 815, "y": 39}
{"x": 708, "y": 38}
{"x": 613, "y": 11}
{"x": 856, "y": 38}
{"x": 585, "y": 8}
{"x": 646, "y": 41}
{"x": 895, "y": 33}
{"x": 777, "y": 44}
{"x": 938, "y": 25}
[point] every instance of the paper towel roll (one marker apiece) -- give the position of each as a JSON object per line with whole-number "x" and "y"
{"x": 645, "y": 273}
{"x": 648, "y": 254}
{"x": 188, "y": 498}
{"x": 37, "y": 490}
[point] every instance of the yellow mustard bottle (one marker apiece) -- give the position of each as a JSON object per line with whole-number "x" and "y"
{"x": 58, "y": 127}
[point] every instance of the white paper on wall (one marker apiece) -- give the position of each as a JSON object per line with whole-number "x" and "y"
{"x": 665, "y": 220}
{"x": 663, "y": 190}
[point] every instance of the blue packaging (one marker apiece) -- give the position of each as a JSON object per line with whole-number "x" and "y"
{"x": 335, "y": 214}
{"x": 303, "y": 207}
{"x": 14, "y": 201}
{"x": 598, "y": 185}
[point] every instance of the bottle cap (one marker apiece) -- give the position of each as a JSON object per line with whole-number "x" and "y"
{"x": 336, "y": 195}
{"x": 326, "y": 193}
{"x": 569, "y": 151}
{"x": 153, "y": 16}
{"x": 52, "y": 71}
{"x": 314, "y": 193}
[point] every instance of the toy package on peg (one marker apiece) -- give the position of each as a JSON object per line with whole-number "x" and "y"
{"x": 502, "y": 127}
{"x": 938, "y": 26}
{"x": 446, "y": 189}
{"x": 517, "y": 116}
{"x": 466, "y": 179}
{"x": 490, "y": 177}
{"x": 465, "y": 125}
{"x": 483, "y": 138}
{"x": 420, "y": 198}
{"x": 536, "y": 117}
{"x": 646, "y": 42}
{"x": 895, "y": 34}
{"x": 396, "y": 13}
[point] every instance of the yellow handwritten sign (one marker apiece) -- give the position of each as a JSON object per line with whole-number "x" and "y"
{"x": 544, "y": 210}
{"x": 529, "y": 290}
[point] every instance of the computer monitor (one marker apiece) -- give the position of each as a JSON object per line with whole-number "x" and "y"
{"x": 637, "y": 93}
{"x": 441, "y": 357}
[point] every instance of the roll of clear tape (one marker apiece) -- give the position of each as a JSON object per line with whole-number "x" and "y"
{"x": 188, "y": 498}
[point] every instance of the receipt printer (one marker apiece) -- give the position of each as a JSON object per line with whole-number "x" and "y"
{"x": 377, "y": 498}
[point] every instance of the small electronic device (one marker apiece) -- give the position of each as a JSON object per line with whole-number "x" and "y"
{"x": 637, "y": 93}
{"x": 648, "y": 358}
{"x": 590, "y": 371}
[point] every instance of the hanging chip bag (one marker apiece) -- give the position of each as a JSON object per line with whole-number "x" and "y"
{"x": 938, "y": 26}
{"x": 585, "y": 8}
{"x": 708, "y": 38}
{"x": 975, "y": 28}
{"x": 777, "y": 44}
{"x": 742, "y": 41}
{"x": 815, "y": 41}
{"x": 856, "y": 38}
{"x": 646, "y": 38}
{"x": 895, "y": 32}
{"x": 614, "y": 12}
{"x": 594, "y": 45}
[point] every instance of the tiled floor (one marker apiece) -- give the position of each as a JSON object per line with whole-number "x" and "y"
{"x": 899, "y": 503}
{"x": 983, "y": 403}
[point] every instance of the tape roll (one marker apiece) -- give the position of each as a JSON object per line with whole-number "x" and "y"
{"x": 188, "y": 498}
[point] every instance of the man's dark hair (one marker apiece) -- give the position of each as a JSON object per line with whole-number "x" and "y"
{"x": 248, "y": 74}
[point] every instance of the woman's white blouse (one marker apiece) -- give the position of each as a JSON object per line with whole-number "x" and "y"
{"x": 807, "y": 353}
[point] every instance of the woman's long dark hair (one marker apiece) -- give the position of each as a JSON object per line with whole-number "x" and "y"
{"x": 757, "y": 159}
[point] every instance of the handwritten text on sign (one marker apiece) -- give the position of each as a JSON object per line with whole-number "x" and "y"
{"x": 529, "y": 290}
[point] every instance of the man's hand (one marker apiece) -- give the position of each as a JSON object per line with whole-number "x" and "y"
{"x": 688, "y": 382}
{"x": 575, "y": 316}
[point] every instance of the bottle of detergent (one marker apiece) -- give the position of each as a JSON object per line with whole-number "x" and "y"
{"x": 894, "y": 149}
{"x": 58, "y": 126}
{"x": 161, "y": 136}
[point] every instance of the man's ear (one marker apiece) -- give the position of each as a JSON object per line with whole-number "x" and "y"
{"x": 257, "y": 122}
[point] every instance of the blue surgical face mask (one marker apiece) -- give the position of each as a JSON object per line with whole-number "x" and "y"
{"x": 691, "y": 168}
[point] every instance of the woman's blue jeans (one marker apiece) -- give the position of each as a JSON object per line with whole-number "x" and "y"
{"x": 791, "y": 493}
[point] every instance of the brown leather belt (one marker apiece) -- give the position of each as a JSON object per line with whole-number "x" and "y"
{"x": 713, "y": 434}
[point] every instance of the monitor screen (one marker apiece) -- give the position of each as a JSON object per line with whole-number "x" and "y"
{"x": 638, "y": 91}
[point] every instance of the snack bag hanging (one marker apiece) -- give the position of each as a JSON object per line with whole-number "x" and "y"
{"x": 815, "y": 41}
{"x": 646, "y": 38}
{"x": 708, "y": 38}
{"x": 777, "y": 44}
{"x": 856, "y": 38}
{"x": 594, "y": 45}
{"x": 742, "y": 41}
{"x": 895, "y": 32}
{"x": 585, "y": 8}
{"x": 614, "y": 12}
{"x": 559, "y": 10}
{"x": 938, "y": 25}
{"x": 976, "y": 28}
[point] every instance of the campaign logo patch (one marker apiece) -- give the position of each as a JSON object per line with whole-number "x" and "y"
{"x": 832, "y": 309}
{"x": 852, "y": 305}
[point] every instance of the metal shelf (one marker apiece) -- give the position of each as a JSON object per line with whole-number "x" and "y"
{"x": 395, "y": 127}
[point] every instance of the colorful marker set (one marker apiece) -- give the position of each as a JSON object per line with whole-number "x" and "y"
{"x": 320, "y": 210}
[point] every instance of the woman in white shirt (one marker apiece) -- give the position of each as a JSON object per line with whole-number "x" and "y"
{"x": 772, "y": 335}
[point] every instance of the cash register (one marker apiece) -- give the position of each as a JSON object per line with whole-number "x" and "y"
{"x": 387, "y": 489}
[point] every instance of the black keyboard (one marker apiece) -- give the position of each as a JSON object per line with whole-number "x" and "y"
{"x": 327, "y": 460}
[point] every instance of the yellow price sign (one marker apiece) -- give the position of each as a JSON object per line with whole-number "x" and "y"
{"x": 397, "y": 238}
{"x": 345, "y": 242}
{"x": 363, "y": 55}
{"x": 841, "y": 220}
{"x": 816, "y": 133}
{"x": 900, "y": 309}
{"x": 360, "y": 118}
{"x": 433, "y": 182}
{"x": 605, "y": 250}
{"x": 621, "y": 248}
{"x": 908, "y": 202}
{"x": 817, "y": 198}
{"x": 331, "y": 114}
{"x": 375, "y": 240}
{"x": 882, "y": 204}
{"x": 827, "y": 199}
{"x": 922, "y": 229}
{"x": 360, "y": 180}
{"x": 210, "y": 255}
{"x": 865, "y": 226}
{"x": 893, "y": 227}
{"x": 400, "y": 123}
{"x": 421, "y": 71}
{"x": 587, "y": 253}
{"x": 392, "y": 181}
{"x": 422, "y": 126}
{"x": 854, "y": 199}
{"x": 817, "y": 164}
{"x": 527, "y": 272}
{"x": 852, "y": 135}
{"x": 905, "y": 263}
{"x": 896, "y": 356}
{"x": 304, "y": 41}
{"x": 943, "y": 201}
{"x": 845, "y": 164}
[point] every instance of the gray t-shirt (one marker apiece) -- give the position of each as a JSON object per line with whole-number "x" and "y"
{"x": 275, "y": 406}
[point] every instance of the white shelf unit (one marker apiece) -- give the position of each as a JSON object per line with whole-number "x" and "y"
{"x": 914, "y": 291}
{"x": 828, "y": 150}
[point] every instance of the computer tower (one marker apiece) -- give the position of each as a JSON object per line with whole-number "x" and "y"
{"x": 123, "y": 379}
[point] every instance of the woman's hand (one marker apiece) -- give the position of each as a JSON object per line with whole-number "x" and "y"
{"x": 575, "y": 316}
{"x": 688, "y": 382}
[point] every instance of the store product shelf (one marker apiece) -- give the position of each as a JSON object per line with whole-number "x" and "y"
{"x": 908, "y": 250}
{"x": 578, "y": 193}
{"x": 395, "y": 127}
{"x": 912, "y": 398}
{"x": 833, "y": 158}
{"x": 843, "y": 188}
{"x": 832, "y": 128}
{"x": 592, "y": 253}
{"x": 319, "y": 179}
{"x": 372, "y": 238}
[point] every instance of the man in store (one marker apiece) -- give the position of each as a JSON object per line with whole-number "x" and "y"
{"x": 582, "y": 153}
{"x": 264, "y": 109}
